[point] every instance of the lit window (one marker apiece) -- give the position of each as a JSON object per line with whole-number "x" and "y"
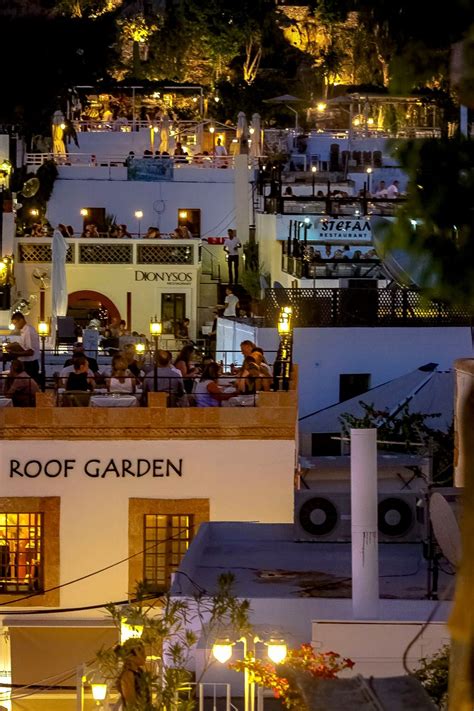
{"x": 167, "y": 538}
{"x": 21, "y": 552}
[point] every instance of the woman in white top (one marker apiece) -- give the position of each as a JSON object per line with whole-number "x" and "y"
{"x": 121, "y": 380}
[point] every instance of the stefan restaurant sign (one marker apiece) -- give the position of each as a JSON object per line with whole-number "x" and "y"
{"x": 347, "y": 231}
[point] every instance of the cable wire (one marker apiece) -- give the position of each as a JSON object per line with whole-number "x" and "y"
{"x": 90, "y": 575}
{"x": 426, "y": 624}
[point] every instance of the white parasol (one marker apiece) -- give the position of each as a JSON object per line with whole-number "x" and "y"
{"x": 256, "y": 145}
{"x": 164, "y": 135}
{"x": 58, "y": 276}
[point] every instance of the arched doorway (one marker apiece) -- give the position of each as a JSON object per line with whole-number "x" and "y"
{"x": 82, "y": 304}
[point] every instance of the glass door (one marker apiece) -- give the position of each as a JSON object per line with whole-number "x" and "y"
{"x": 173, "y": 312}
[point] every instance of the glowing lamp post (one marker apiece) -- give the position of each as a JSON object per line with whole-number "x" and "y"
{"x": 313, "y": 177}
{"x": 156, "y": 328}
{"x": 369, "y": 173}
{"x": 222, "y": 652}
{"x": 284, "y": 359}
{"x": 43, "y": 333}
{"x": 138, "y": 216}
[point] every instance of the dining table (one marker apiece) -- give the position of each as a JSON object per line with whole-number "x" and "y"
{"x": 114, "y": 400}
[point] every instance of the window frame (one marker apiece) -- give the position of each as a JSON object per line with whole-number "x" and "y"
{"x": 50, "y": 509}
{"x": 199, "y": 509}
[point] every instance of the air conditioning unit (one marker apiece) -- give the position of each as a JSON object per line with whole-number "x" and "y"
{"x": 325, "y": 516}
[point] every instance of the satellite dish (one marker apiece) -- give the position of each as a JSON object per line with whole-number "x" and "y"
{"x": 30, "y": 188}
{"x": 41, "y": 276}
{"x": 446, "y": 528}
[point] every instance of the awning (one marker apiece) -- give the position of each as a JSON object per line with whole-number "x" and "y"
{"x": 41, "y": 652}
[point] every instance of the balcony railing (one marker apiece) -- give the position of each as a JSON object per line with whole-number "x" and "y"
{"x": 361, "y": 307}
{"x": 113, "y": 251}
{"x": 332, "y": 268}
{"x": 335, "y": 206}
{"x": 89, "y": 160}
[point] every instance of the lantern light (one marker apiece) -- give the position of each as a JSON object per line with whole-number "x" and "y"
{"x": 43, "y": 328}
{"x": 155, "y": 327}
{"x": 222, "y": 651}
{"x": 277, "y": 651}
{"x": 99, "y": 691}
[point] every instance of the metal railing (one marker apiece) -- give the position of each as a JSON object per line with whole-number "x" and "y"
{"x": 302, "y": 268}
{"x": 335, "y": 206}
{"x": 361, "y": 307}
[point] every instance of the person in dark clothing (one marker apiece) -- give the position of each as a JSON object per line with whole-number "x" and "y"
{"x": 79, "y": 378}
{"x": 77, "y": 350}
{"x": 133, "y": 683}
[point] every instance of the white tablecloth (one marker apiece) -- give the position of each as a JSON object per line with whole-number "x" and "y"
{"x": 114, "y": 401}
{"x": 5, "y": 402}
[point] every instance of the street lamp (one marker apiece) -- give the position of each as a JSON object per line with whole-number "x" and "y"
{"x": 139, "y": 215}
{"x": 84, "y": 212}
{"x": 313, "y": 176}
{"x": 284, "y": 359}
{"x": 369, "y": 173}
{"x": 99, "y": 692}
{"x": 43, "y": 333}
{"x": 156, "y": 328}
{"x": 222, "y": 651}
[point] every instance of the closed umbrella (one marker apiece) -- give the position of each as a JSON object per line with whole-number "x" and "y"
{"x": 58, "y": 276}
{"x": 242, "y": 132}
{"x": 256, "y": 145}
{"x": 165, "y": 135}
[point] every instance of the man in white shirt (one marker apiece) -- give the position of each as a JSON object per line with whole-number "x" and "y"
{"x": 231, "y": 247}
{"x": 231, "y": 302}
{"x": 393, "y": 190}
{"x": 381, "y": 191}
{"x": 220, "y": 153}
{"x": 27, "y": 349}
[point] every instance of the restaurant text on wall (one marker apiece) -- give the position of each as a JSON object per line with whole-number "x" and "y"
{"x": 96, "y": 468}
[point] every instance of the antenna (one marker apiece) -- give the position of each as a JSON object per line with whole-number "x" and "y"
{"x": 446, "y": 528}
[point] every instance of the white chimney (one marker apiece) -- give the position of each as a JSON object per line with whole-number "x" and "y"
{"x": 365, "y": 555}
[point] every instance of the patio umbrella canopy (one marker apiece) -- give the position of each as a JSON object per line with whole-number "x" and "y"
{"x": 286, "y": 100}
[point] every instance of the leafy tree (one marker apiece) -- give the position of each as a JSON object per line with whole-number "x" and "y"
{"x": 410, "y": 429}
{"x": 170, "y": 630}
{"x": 437, "y": 222}
{"x": 433, "y": 674}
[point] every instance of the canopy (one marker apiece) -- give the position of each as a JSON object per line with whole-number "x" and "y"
{"x": 424, "y": 390}
{"x": 284, "y": 99}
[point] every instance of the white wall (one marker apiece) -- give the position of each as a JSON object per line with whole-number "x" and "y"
{"x": 386, "y": 353}
{"x": 122, "y": 199}
{"x": 114, "y": 281}
{"x": 94, "y": 511}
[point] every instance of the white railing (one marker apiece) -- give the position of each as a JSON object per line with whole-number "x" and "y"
{"x": 89, "y": 160}
{"x": 176, "y": 128}
{"x": 214, "y": 688}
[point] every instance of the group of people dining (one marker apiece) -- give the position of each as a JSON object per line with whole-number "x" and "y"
{"x": 187, "y": 380}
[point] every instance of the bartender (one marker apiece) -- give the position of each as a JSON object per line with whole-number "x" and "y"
{"x": 27, "y": 349}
